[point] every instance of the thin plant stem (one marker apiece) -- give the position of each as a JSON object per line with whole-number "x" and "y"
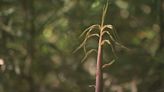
{"x": 99, "y": 77}
{"x": 102, "y": 29}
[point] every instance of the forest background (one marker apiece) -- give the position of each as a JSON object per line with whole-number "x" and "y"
{"x": 37, "y": 38}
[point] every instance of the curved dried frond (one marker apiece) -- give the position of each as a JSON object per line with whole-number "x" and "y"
{"x": 89, "y": 36}
{"x": 88, "y": 53}
{"x": 84, "y": 48}
{"x": 113, "y": 30}
{"x": 108, "y": 64}
{"x": 105, "y": 41}
{"x": 108, "y": 26}
{"x": 122, "y": 46}
{"x": 115, "y": 42}
{"x": 115, "y": 34}
{"x": 90, "y": 29}
{"x": 83, "y": 43}
{"x": 107, "y": 32}
{"x": 110, "y": 36}
{"x": 89, "y": 32}
{"x": 110, "y": 44}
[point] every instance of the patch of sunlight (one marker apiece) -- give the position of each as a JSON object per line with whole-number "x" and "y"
{"x": 1, "y": 62}
{"x": 136, "y": 41}
{"x": 150, "y": 34}
{"x": 95, "y": 4}
{"x": 122, "y": 4}
{"x": 146, "y": 33}
{"x": 48, "y": 31}
{"x": 156, "y": 27}
{"x": 63, "y": 22}
{"x": 17, "y": 69}
{"x": 152, "y": 39}
{"x": 124, "y": 13}
{"x": 2, "y": 65}
{"x": 146, "y": 9}
{"x": 9, "y": 11}
{"x": 63, "y": 42}
{"x": 68, "y": 5}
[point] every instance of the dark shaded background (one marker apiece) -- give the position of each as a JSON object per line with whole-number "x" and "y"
{"x": 37, "y": 38}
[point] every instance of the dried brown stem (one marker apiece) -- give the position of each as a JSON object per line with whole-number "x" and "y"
{"x": 103, "y": 29}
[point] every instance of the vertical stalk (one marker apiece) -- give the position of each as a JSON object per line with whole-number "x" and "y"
{"x": 99, "y": 77}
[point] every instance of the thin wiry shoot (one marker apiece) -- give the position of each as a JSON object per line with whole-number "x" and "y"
{"x": 108, "y": 64}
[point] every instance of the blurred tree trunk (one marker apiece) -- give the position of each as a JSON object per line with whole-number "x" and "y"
{"x": 157, "y": 83}
{"x": 29, "y": 21}
{"x": 161, "y": 24}
{"x": 3, "y": 41}
{"x": 29, "y": 27}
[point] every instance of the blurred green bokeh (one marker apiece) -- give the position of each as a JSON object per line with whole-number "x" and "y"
{"x": 37, "y": 38}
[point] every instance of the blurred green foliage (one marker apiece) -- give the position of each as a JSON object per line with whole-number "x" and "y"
{"x": 37, "y": 38}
